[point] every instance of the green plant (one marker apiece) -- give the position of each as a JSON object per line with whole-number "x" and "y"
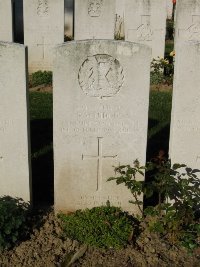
{"x": 13, "y": 214}
{"x": 104, "y": 227}
{"x": 178, "y": 189}
{"x": 161, "y": 71}
{"x": 40, "y": 78}
{"x": 127, "y": 176}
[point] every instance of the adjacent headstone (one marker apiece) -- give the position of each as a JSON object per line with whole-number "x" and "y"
{"x": 14, "y": 134}
{"x": 100, "y": 120}
{"x": 185, "y": 125}
{"x": 43, "y": 29}
{"x": 94, "y": 19}
{"x": 6, "y": 29}
{"x": 169, "y": 9}
{"x": 145, "y": 23}
{"x": 187, "y": 21}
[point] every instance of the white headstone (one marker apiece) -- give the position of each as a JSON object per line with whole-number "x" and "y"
{"x": 187, "y": 21}
{"x": 145, "y": 23}
{"x": 43, "y": 29}
{"x": 6, "y": 29}
{"x": 94, "y": 19}
{"x": 185, "y": 125}
{"x": 14, "y": 132}
{"x": 100, "y": 120}
{"x": 169, "y": 9}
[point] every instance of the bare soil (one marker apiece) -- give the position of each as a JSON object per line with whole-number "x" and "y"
{"x": 46, "y": 248}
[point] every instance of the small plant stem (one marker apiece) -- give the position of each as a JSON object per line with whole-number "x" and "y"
{"x": 136, "y": 199}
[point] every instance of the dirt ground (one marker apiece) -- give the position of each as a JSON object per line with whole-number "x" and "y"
{"x": 46, "y": 248}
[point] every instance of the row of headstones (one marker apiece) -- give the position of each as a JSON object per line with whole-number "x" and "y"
{"x": 100, "y": 113}
{"x": 111, "y": 81}
{"x": 144, "y": 22}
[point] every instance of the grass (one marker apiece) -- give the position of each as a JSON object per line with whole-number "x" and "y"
{"x": 169, "y": 47}
{"x": 41, "y": 114}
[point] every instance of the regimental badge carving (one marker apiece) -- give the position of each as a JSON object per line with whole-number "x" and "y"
{"x": 43, "y": 8}
{"x": 144, "y": 31}
{"x": 95, "y": 7}
{"x": 101, "y": 76}
{"x": 193, "y": 32}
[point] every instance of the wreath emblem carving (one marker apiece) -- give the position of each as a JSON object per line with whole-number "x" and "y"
{"x": 101, "y": 76}
{"x": 43, "y": 8}
{"x": 95, "y": 7}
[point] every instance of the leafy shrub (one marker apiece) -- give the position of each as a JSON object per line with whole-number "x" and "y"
{"x": 178, "y": 189}
{"x": 41, "y": 77}
{"x": 104, "y": 227}
{"x": 162, "y": 71}
{"x": 13, "y": 212}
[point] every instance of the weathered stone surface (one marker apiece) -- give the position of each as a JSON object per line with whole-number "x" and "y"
{"x": 187, "y": 21}
{"x": 43, "y": 29}
{"x": 100, "y": 119}
{"x": 6, "y": 29}
{"x": 145, "y": 23}
{"x": 185, "y": 125}
{"x": 94, "y": 19}
{"x": 14, "y": 134}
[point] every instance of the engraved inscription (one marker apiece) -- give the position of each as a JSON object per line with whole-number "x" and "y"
{"x": 144, "y": 31}
{"x": 99, "y": 157}
{"x": 103, "y": 120}
{"x": 95, "y": 7}
{"x": 98, "y": 200}
{"x": 43, "y": 8}
{"x": 101, "y": 76}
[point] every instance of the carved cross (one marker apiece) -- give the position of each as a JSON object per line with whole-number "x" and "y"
{"x": 99, "y": 157}
{"x": 192, "y": 33}
{"x": 144, "y": 32}
{"x": 43, "y": 44}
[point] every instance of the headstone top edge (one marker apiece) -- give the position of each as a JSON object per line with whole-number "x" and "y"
{"x": 119, "y": 42}
{"x": 11, "y": 44}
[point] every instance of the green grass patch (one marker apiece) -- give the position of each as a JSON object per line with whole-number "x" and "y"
{"x": 159, "y": 111}
{"x": 104, "y": 227}
{"x": 40, "y": 78}
{"x": 41, "y": 105}
{"x": 169, "y": 47}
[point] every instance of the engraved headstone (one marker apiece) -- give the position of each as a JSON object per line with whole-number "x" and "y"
{"x": 14, "y": 131}
{"x": 145, "y": 25}
{"x": 100, "y": 119}
{"x": 187, "y": 21}
{"x": 94, "y": 19}
{"x": 185, "y": 126}
{"x": 6, "y": 28}
{"x": 43, "y": 29}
